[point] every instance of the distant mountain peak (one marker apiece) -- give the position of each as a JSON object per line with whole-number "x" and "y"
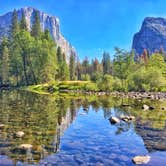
{"x": 152, "y": 35}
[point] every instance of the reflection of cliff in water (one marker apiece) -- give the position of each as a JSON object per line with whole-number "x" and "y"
{"x": 62, "y": 125}
{"x": 154, "y": 139}
{"x": 43, "y": 119}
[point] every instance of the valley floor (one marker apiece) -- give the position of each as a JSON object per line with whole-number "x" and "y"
{"x": 89, "y": 88}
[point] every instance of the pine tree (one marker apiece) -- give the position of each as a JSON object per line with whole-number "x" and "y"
{"x": 78, "y": 70}
{"x": 59, "y": 55}
{"x": 85, "y": 66}
{"x": 36, "y": 28}
{"x": 15, "y": 24}
{"x": 106, "y": 63}
{"x": 72, "y": 67}
{"x": 23, "y": 24}
{"x": 5, "y": 65}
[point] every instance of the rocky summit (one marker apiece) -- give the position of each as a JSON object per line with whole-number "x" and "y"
{"x": 152, "y": 35}
{"x": 46, "y": 21}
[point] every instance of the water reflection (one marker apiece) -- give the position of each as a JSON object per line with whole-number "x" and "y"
{"x": 58, "y": 126}
{"x": 43, "y": 119}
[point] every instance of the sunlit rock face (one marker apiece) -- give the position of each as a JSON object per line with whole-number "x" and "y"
{"x": 46, "y": 21}
{"x": 152, "y": 35}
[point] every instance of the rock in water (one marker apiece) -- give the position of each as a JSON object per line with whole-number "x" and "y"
{"x": 132, "y": 117}
{"x": 20, "y": 134}
{"x": 25, "y": 146}
{"x": 141, "y": 159}
{"x": 145, "y": 107}
{"x": 127, "y": 118}
{"x": 152, "y": 36}
{"x": 2, "y": 126}
{"x": 114, "y": 120}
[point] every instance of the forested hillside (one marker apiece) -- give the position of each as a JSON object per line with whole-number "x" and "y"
{"x": 31, "y": 58}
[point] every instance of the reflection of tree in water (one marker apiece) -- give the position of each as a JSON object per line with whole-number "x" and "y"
{"x": 123, "y": 127}
{"x": 118, "y": 112}
{"x": 150, "y": 125}
{"x": 42, "y": 118}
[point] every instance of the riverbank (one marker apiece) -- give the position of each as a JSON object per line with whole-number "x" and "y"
{"x": 89, "y": 88}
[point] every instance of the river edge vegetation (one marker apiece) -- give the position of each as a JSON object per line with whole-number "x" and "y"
{"x": 32, "y": 58}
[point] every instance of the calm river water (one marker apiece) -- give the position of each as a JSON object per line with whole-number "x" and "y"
{"x": 71, "y": 131}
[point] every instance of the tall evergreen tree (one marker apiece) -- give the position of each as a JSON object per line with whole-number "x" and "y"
{"x": 78, "y": 70}
{"x": 15, "y": 24}
{"x": 59, "y": 55}
{"x": 36, "y": 28}
{"x": 72, "y": 67}
{"x": 106, "y": 63}
{"x": 5, "y": 65}
{"x": 23, "y": 24}
{"x": 85, "y": 66}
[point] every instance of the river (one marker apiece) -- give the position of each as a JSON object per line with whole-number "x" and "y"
{"x": 76, "y": 130}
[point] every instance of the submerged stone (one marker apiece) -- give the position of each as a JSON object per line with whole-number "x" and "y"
{"x": 141, "y": 159}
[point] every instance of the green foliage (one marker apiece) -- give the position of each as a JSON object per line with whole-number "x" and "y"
{"x": 106, "y": 63}
{"x": 33, "y": 58}
{"x": 105, "y": 84}
{"x": 5, "y": 64}
{"x": 23, "y": 24}
{"x": 117, "y": 85}
{"x": 15, "y": 24}
{"x": 27, "y": 60}
{"x": 96, "y": 76}
{"x": 36, "y": 29}
{"x": 63, "y": 69}
{"x": 72, "y": 67}
{"x": 150, "y": 77}
{"x": 91, "y": 87}
{"x": 85, "y": 77}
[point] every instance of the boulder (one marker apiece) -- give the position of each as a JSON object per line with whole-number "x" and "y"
{"x": 141, "y": 159}
{"x": 114, "y": 120}
{"x": 2, "y": 126}
{"x": 132, "y": 117}
{"x": 20, "y": 134}
{"x": 85, "y": 109}
{"x": 145, "y": 107}
{"x": 124, "y": 118}
{"x": 25, "y": 146}
{"x": 127, "y": 118}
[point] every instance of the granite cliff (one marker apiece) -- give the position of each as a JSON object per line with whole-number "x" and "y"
{"x": 152, "y": 35}
{"x": 46, "y": 21}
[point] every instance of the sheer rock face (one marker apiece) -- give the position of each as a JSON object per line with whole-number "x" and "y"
{"x": 152, "y": 36}
{"x": 46, "y": 21}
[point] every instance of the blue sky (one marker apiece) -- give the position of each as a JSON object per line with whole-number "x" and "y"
{"x": 93, "y": 26}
